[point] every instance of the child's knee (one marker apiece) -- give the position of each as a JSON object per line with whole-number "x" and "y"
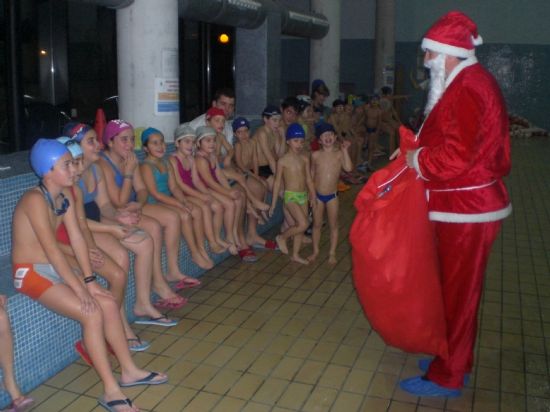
{"x": 196, "y": 213}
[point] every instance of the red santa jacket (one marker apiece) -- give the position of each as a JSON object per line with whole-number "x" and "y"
{"x": 464, "y": 149}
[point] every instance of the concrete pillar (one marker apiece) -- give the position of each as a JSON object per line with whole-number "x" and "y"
{"x": 384, "y": 44}
{"x": 324, "y": 55}
{"x": 258, "y": 66}
{"x": 148, "y": 72}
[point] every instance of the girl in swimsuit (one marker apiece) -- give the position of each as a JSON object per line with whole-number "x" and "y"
{"x": 215, "y": 183}
{"x": 104, "y": 248}
{"x": 126, "y": 190}
{"x": 159, "y": 180}
{"x": 183, "y": 164}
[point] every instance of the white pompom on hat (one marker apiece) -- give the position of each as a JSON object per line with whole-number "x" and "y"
{"x": 454, "y": 34}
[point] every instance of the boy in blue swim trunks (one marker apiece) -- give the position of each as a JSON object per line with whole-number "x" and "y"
{"x": 326, "y": 165}
{"x": 293, "y": 171}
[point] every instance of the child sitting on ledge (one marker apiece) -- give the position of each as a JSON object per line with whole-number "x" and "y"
{"x": 41, "y": 271}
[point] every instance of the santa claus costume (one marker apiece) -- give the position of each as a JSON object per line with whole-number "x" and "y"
{"x": 463, "y": 155}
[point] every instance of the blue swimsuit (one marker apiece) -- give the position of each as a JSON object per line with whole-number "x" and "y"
{"x": 161, "y": 180}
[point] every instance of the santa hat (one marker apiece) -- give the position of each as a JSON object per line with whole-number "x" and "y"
{"x": 454, "y": 34}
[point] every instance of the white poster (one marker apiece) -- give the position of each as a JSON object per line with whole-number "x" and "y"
{"x": 167, "y": 96}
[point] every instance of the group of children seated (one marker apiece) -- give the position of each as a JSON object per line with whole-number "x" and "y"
{"x": 95, "y": 202}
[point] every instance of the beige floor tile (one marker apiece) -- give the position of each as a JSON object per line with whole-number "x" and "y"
{"x": 373, "y": 404}
{"x": 227, "y": 404}
{"x": 202, "y": 402}
{"x": 199, "y": 377}
{"x": 176, "y": 400}
{"x": 321, "y": 400}
{"x": 246, "y": 386}
{"x": 223, "y": 381}
{"x": 81, "y": 404}
{"x": 348, "y": 402}
{"x": 270, "y": 391}
{"x": 310, "y": 372}
{"x": 57, "y": 401}
{"x": 486, "y": 401}
{"x": 295, "y": 396}
{"x": 334, "y": 376}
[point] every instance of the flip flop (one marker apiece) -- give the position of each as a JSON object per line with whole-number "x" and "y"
{"x": 148, "y": 380}
{"x": 79, "y": 346}
{"x": 268, "y": 245}
{"x": 175, "y": 302}
{"x": 142, "y": 345}
{"x": 247, "y": 255}
{"x": 186, "y": 283}
{"x": 21, "y": 404}
{"x": 111, "y": 405}
{"x": 147, "y": 320}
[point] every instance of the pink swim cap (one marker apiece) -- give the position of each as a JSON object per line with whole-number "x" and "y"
{"x": 113, "y": 128}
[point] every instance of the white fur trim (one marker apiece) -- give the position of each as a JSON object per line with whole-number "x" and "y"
{"x": 455, "y": 189}
{"x": 471, "y": 217}
{"x": 446, "y": 48}
{"x": 416, "y": 165}
{"x": 478, "y": 41}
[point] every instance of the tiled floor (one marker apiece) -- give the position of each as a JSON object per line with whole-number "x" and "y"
{"x": 275, "y": 336}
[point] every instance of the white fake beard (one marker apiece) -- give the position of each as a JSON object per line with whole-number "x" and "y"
{"x": 437, "y": 81}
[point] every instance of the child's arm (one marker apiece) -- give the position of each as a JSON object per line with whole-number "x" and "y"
{"x": 309, "y": 183}
{"x": 313, "y": 167}
{"x": 228, "y": 149}
{"x": 255, "y": 164}
{"x": 239, "y": 157}
{"x": 347, "y": 164}
{"x": 204, "y": 173}
{"x": 120, "y": 196}
{"x": 140, "y": 188}
{"x": 276, "y": 185}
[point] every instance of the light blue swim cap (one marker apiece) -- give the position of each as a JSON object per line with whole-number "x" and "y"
{"x": 146, "y": 134}
{"x": 295, "y": 131}
{"x": 44, "y": 155}
{"x": 72, "y": 145}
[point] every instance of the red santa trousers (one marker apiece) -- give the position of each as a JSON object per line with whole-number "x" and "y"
{"x": 463, "y": 250}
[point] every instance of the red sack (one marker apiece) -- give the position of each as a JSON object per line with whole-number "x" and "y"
{"x": 395, "y": 263}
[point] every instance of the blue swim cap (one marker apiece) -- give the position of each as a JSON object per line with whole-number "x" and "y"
{"x": 295, "y": 131}
{"x": 146, "y": 134}
{"x": 44, "y": 155}
{"x": 72, "y": 145}
{"x": 240, "y": 122}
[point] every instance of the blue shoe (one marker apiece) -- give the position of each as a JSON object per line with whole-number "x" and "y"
{"x": 420, "y": 386}
{"x": 424, "y": 364}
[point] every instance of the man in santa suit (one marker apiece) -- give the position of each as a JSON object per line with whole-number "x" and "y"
{"x": 463, "y": 153}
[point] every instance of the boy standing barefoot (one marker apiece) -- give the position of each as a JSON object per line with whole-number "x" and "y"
{"x": 326, "y": 165}
{"x": 293, "y": 171}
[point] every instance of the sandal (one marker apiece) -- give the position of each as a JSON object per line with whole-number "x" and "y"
{"x": 248, "y": 256}
{"x": 186, "y": 283}
{"x": 175, "y": 302}
{"x": 142, "y": 345}
{"x": 21, "y": 404}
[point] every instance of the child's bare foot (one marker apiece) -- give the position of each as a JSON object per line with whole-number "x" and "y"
{"x": 299, "y": 259}
{"x": 147, "y": 311}
{"x": 282, "y": 244}
{"x": 312, "y": 257}
{"x": 233, "y": 249}
{"x": 306, "y": 240}
{"x": 175, "y": 276}
{"x": 202, "y": 262}
{"x": 217, "y": 248}
{"x": 204, "y": 254}
{"x": 332, "y": 259}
